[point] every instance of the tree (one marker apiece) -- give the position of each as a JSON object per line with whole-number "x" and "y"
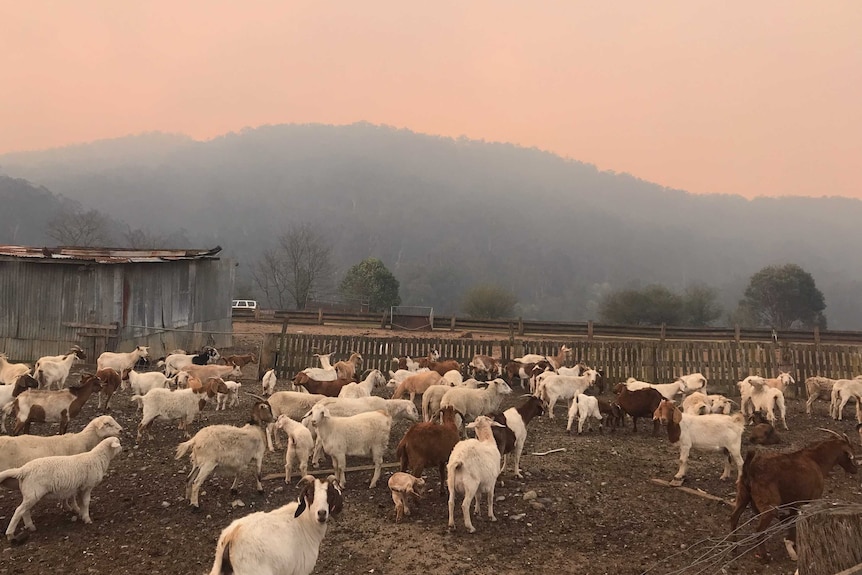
{"x": 783, "y": 297}
{"x": 296, "y": 268}
{"x": 79, "y": 228}
{"x": 370, "y": 281}
{"x": 489, "y": 302}
{"x": 656, "y": 304}
{"x": 700, "y": 305}
{"x": 653, "y": 305}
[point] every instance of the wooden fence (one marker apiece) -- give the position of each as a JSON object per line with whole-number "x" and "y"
{"x": 722, "y": 362}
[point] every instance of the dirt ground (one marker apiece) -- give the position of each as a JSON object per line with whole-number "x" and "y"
{"x": 596, "y": 511}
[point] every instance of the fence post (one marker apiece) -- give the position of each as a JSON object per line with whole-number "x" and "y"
{"x": 663, "y": 328}
{"x": 452, "y": 323}
{"x": 520, "y": 326}
{"x": 281, "y": 360}
{"x": 736, "y": 334}
{"x": 383, "y": 320}
{"x": 817, "y": 334}
{"x": 320, "y": 316}
{"x": 590, "y": 330}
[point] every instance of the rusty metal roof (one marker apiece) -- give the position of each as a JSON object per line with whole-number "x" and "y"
{"x": 105, "y": 255}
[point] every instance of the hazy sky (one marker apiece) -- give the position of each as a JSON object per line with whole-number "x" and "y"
{"x": 734, "y": 96}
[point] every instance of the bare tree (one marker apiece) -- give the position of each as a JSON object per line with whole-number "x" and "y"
{"x": 146, "y": 239}
{"x": 80, "y": 228}
{"x": 299, "y": 266}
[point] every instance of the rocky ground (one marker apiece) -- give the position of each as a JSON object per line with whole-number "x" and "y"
{"x": 595, "y": 509}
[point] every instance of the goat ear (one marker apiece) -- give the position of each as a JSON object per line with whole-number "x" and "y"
{"x": 301, "y": 507}
{"x": 677, "y": 415}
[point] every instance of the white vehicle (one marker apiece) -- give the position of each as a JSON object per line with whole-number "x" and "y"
{"x": 244, "y": 304}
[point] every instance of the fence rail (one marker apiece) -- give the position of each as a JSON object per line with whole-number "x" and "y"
{"x": 588, "y": 330}
{"x": 722, "y": 362}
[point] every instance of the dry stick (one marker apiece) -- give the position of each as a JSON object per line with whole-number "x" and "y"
{"x": 540, "y": 454}
{"x": 329, "y": 471}
{"x": 697, "y": 492}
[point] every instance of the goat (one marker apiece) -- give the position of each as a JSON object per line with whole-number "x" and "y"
{"x": 227, "y": 447}
{"x": 762, "y": 432}
{"x": 781, "y": 382}
{"x": 584, "y": 407}
{"x": 511, "y": 438}
{"x": 364, "y": 434}
{"x": 43, "y": 406}
{"x": 565, "y": 387}
{"x": 428, "y": 444}
{"x": 473, "y": 467}
{"x": 667, "y": 390}
{"x": 639, "y": 403}
{"x": 705, "y": 432}
{"x": 522, "y": 371}
{"x": 183, "y": 404}
{"x": 55, "y": 372}
{"x": 842, "y": 392}
{"x": 16, "y": 451}
{"x": 121, "y": 361}
{"x": 612, "y": 413}
{"x": 417, "y": 384}
{"x": 292, "y": 404}
{"x": 348, "y": 369}
{"x": 179, "y": 360}
{"x": 300, "y": 444}
{"x": 405, "y": 487}
{"x": 284, "y": 541}
{"x": 766, "y": 398}
{"x": 205, "y": 372}
{"x": 365, "y": 387}
{"x": 817, "y": 388}
{"x": 485, "y": 365}
{"x": 772, "y": 480}
{"x": 10, "y": 392}
{"x": 696, "y": 404}
{"x": 239, "y": 360}
{"x": 111, "y": 381}
{"x": 10, "y": 372}
{"x": 55, "y": 358}
{"x": 268, "y": 382}
{"x": 230, "y": 399}
{"x": 64, "y": 477}
{"x": 141, "y": 383}
{"x": 328, "y": 388}
{"x": 471, "y": 403}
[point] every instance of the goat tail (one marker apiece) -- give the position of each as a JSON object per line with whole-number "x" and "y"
{"x": 745, "y": 479}
{"x": 9, "y": 478}
{"x": 401, "y": 453}
{"x": 738, "y": 418}
{"x": 222, "y": 565}
{"x": 138, "y": 398}
{"x": 184, "y": 447}
{"x": 40, "y": 377}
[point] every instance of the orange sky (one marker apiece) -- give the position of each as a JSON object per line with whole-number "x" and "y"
{"x": 733, "y": 96}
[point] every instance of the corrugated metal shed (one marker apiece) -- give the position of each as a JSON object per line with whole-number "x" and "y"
{"x": 112, "y": 299}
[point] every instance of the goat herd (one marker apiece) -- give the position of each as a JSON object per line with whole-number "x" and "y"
{"x": 327, "y": 411}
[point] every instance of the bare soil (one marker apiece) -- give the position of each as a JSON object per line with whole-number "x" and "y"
{"x": 596, "y": 510}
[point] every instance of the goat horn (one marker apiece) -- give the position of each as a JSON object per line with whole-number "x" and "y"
{"x": 835, "y": 433}
{"x": 257, "y": 397}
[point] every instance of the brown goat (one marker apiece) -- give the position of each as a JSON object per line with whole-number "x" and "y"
{"x": 429, "y": 444}
{"x": 639, "y": 403}
{"x": 772, "y": 480}
{"x": 239, "y": 360}
{"x": 818, "y": 388}
{"x": 521, "y": 371}
{"x": 612, "y": 413}
{"x": 442, "y": 367}
{"x": 111, "y": 381}
{"x": 417, "y": 384}
{"x": 327, "y": 388}
{"x": 40, "y": 405}
{"x": 347, "y": 369}
{"x": 762, "y": 433}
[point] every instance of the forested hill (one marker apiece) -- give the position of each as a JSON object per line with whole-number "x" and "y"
{"x": 445, "y": 214}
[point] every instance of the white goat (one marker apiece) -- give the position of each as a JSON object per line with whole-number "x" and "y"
{"x": 364, "y": 434}
{"x": 365, "y": 387}
{"x": 843, "y": 391}
{"x": 179, "y": 360}
{"x": 10, "y": 391}
{"x": 719, "y": 404}
{"x": 16, "y": 451}
{"x": 10, "y": 372}
{"x": 763, "y": 398}
{"x": 667, "y": 390}
{"x": 141, "y": 383}
{"x": 696, "y": 404}
{"x": 712, "y": 432}
{"x": 55, "y": 372}
{"x": 228, "y": 448}
{"x": 268, "y": 383}
{"x": 471, "y": 403}
{"x": 64, "y": 477}
{"x": 473, "y": 467}
{"x": 286, "y": 540}
{"x": 583, "y": 407}
{"x": 55, "y": 358}
{"x": 183, "y": 404}
{"x": 293, "y": 404}
{"x": 694, "y": 382}
{"x": 300, "y": 444}
{"x": 565, "y": 387}
{"x": 122, "y": 361}
{"x": 230, "y": 399}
